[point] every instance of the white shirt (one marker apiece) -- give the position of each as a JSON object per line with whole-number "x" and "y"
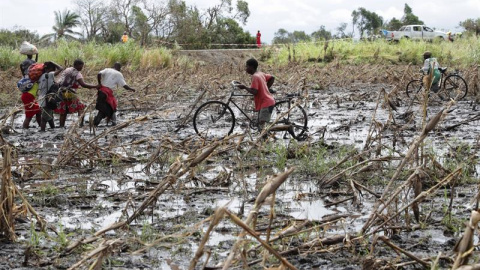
{"x": 112, "y": 78}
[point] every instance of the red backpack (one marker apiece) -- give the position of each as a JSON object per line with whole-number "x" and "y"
{"x": 35, "y": 71}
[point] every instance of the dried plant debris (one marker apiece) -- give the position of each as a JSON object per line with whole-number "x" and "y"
{"x": 379, "y": 181}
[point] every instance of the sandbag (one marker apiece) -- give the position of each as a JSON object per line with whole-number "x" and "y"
{"x": 28, "y": 49}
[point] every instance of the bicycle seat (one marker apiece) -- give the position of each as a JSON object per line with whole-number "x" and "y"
{"x": 442, "y": 69}
{"x": 272, "y": 91}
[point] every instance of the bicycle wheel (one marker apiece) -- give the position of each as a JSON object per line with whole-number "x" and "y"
{"x": 297, "y": 117}
{"x": 455, "y": 87}
{"x": 414, "y": 88}
{"x": 214, "y": 120}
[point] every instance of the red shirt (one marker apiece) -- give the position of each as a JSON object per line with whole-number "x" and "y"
{"x": 263, "y": 98}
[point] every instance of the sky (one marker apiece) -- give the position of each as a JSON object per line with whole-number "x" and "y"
{"x": 270, "y": 15}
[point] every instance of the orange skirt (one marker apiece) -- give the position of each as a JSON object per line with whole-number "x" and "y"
{"x": 72, "y": 105}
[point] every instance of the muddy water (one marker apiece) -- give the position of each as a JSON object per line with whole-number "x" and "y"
{"x": 84, "y": 198}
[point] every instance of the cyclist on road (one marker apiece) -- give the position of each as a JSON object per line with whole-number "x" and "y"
{"x": 261, "y": 83}
{"x": 427, "y": 64}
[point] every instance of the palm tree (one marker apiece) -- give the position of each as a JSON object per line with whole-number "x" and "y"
{"x": 64, "y": 22}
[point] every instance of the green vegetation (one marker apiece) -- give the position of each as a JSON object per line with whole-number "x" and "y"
{"x": 148, "y": 232}
{"x": 95, "y": 55}
{"x": 62, "y": 238}
{"x": 35, "y": 237}
{"x": 461, "y": 53}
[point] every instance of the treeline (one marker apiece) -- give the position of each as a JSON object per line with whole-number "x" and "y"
{"x": 368, "y": 24}
{"x": 171, "y": 23}
{"x": 147, "y": 22}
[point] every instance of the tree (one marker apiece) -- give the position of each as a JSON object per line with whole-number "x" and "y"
{"x": 281, "y": 37}
{"x": 322, "y": 34}
{"x": 228, "y": 31}
{"x": 243, "y": 12}
{"x": 300, "y": 36}
{"x": 64, "y": 23}
{"x": 393, "y": 24}
{"x": 14, "y": 37}
{"x": 366, "y": 21}
{"x": 222, "y": 9}
{"x": 122, "y": 11}
{"x": 471, "y": 25}
{"x": 195, "y": 28}
{"x": 141, "y": 27}
{"x": 341, "y": 31}
{"x": 92, "y": 14}
{"x": 157, "y": 16}
{"x": 185, "y": 25}
{"x": 409, "y": 17}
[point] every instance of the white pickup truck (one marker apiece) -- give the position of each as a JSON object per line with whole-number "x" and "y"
{"x": 414, "y": 32}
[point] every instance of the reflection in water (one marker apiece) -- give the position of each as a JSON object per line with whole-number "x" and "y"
{"x": 311, "y": 210}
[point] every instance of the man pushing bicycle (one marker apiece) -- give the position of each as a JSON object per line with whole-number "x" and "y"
{"x": 261, "y": 83}
{"x": 429, "y": 63}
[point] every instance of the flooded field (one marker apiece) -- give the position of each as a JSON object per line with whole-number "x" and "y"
{"x": 149, "y": 193}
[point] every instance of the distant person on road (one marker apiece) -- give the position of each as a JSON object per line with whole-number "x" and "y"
{"x": 47, "y": 79}
{"x": 428, "y": 63}
{"x": 125, "y": 37}
{"x": 71, "y": 80}
{"x": 449, "y": 36}
{"x": 261, "y": 83}
{"x": 259, "y": 42}
{"x": 27, "y": 63}
{"x": 108, "y": 80}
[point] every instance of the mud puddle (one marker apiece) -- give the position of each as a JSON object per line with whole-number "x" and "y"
{"x": 95, "y": 191}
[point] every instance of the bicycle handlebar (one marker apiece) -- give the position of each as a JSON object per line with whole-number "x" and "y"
{"x": 235, "y": 83}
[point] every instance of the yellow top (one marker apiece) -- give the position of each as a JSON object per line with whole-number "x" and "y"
{"x": 124, "y": 38}
{"x": 34, "y": 90}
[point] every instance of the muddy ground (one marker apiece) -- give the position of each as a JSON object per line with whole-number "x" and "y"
{"x": 81, "y": 180}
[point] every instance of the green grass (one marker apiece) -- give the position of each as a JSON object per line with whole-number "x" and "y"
{"x": 96, "y": 56}
{"x": 461, "y": 53}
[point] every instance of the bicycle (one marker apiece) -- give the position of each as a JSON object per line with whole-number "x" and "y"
{"x": 216, "y": 119}
{"x": 452, "y": 86}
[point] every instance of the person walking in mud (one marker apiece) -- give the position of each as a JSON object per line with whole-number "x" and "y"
{"x": 47, "y": 79}
{"x": 71, "y": 80}
{"x": 27, "y": 63}
{"x": 29, "y": 92}
{"x": 108, "y": 80}
{"x": 259, "y": 88}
